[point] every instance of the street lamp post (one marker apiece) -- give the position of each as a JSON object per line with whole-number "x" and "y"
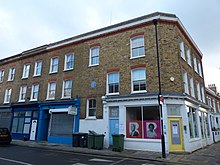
{"x": 159, "y": 94}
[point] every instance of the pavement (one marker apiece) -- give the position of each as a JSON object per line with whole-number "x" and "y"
{"x": 209, "y": 155}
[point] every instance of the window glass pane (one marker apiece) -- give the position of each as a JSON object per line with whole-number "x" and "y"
{"x": 138, "y": 74}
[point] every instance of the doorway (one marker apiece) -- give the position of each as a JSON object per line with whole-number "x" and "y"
{"x": 175, "y": 134}
{"x": 113, "y": 122}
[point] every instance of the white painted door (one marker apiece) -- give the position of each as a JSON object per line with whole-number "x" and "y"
{"x": 33, "y": 129}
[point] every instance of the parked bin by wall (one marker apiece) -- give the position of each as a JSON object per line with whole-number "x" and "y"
{"x": 83, "y": 140}
{"x": 95, "y": 141}
{"x": 118, "y": 142}
{"x": 79, "y": 139}
{"x": 75, "y": 140}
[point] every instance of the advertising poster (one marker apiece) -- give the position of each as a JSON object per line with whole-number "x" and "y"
{"x": 152, "y": 129}
{"x": 134, "y": 129}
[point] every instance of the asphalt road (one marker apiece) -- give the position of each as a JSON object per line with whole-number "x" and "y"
{"x": 21, "y": 155}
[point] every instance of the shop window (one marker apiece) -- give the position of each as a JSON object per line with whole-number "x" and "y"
{"x": 137, "y": 47}
{"x": 113, "y": 83}
{"x": 143, "y": 122}
{"x": 21, "y": 122}
{"x": 192, "y": 120}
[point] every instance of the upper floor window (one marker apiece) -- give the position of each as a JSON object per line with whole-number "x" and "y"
{"x": 195, "y": 64}
{"x": 200, "y": 68}
{"x": 113, "y": 83}
{"x": 38, "y": 68}
{"x": 185, "y": 82}
{"x": 94, "y": 56}
{"x": 7, "y": 95}
{"x": 198, "y": 91}
{"x": 22, "y": 95}
{"x": 188, "y": 56}
{"x": 192, "y": 92}
{"x": 11, "y": 74}
{"x": 26, "y": 71}
{"x": 34, "y": 92}
{"x": 203, "y": 94}
{"x": 209, "y": 101}
{"x": 51, "y": 90}
{"x": 214, "y": 106}
{"x": 138, "y": 80}
{"x": 69, "y": 61}
{"x": 137, "y": 47}
{"x": 91, "y": 108}
{"x": 2, "y": 73}
{"x": 182, "y": 52}
{"x": 67, "y": 89}
{"x": 54, "y": 65}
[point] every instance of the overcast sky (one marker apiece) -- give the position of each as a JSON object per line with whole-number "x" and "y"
{"x": 26, "y": 24}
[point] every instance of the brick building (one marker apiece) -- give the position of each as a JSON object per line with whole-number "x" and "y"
{"x": 107, "y": 80}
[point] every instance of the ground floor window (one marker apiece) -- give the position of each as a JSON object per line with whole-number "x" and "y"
{"x": 193, "y": 125}
{"x": 5, "y": 119}
{"x": 143, "y": 122}
{"x": 61, "y": 124}
{"x": 21, "y": 122}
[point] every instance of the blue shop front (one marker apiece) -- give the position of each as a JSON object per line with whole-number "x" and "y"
{"x": 54, "y": 122}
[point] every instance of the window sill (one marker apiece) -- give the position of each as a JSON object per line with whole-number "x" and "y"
{"x": 111, "y": 94}
{"x": 21, "y": 101}
{"x": 10, "y": 80}
{"x": 90, "y": 118}
{"x": 36, "y": 75}
{"x": 33, "y": 100}
{"x": 136, "y": 57}
{"x": 53, "y": 72}
{"x": 6, "y": 102}
{"x": 93, "y": 65}
{"x": 134, "y": 92}
{"x": 23, "y": 78}
{"x": 66, "y": 70}
{"x": 66, "y": 98}
{"x": 49, "y": 99}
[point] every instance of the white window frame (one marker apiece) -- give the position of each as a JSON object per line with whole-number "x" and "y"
{"x": 200, "y": 68}
{"x": 2, "y": 73}
{"x": 38, "y": 67}
{"x": 7, "y": 97}
{"x": 115, "y": 82}
{"x": 185, "y": 82}
{"x": 132, "y": 80}
{"x": 137, "y": 47}
{"x": 26, "y": 71}
{"x": 192, "y": 91}
{"x": 63, "y": 89}
{"x": 214, "y": 106}
{"x": 195, "y": 64}
{"x": 66, "y": 68}
{"x": 11, "y": 74}
{"x": 34, "y": 89}
{"x": 88, "y": 109}
{"x": 182, "y": 51}
{"x": 203, "y": 94}
{"x": 94, "y": 55}
{"x": 23, "y": 91}
{"x": 198, "y": 91}
{"x": 49, "y": 90}
{"x": 188, "y": 56}
{"x": 52, "y": 65}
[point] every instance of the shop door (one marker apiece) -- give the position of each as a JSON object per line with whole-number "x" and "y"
{"x": 113, "y": 122}
{"x": 175, "y": 134}
{"x": 33, "y": 129}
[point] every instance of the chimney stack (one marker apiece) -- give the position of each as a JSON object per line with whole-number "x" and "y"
{"x": 212, "y": 87}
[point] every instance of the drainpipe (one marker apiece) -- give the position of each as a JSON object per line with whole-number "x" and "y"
{"x": 159, "y": 93}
